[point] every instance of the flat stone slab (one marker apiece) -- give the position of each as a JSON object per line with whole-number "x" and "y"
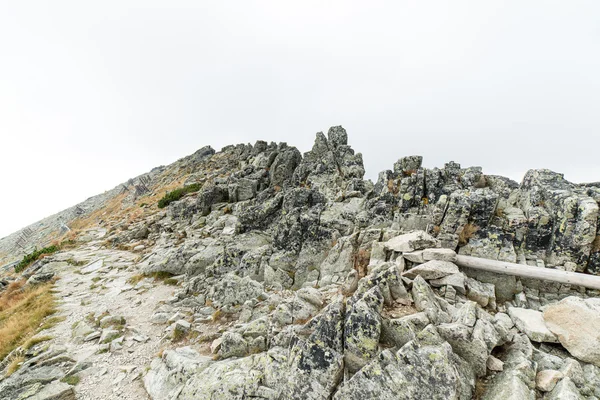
{"x": 55, "y": 391}
{"x": 457, "y": 281}
{"x": 432, "y": 270}
{"x": 415, "y": 256}
{"x": 410, "y": 242}
{"x": 440, "y": 255}
{"x": 92, "y": 336}
{"x": 92, "y": 267}
{"x": 531, "y": 323}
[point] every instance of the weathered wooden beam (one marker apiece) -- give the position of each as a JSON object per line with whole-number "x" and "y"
{"x": 526, "y": 271}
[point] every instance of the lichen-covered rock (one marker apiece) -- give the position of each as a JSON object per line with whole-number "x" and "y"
{"x": 232, "y": 290}
{"x": 362, "y": 329}
{"x": 570, "y": 215}
{"x": 517, "y": 380}
{"x": 425, "y": 300}
{"x": 399, "y": 331}
{"x": 314, "y": 373}
{"x": 340, "y": 260}
{"x": 233, "y": 345}
{"x": 425, "y": 368}
{"x": 329, "y": 326}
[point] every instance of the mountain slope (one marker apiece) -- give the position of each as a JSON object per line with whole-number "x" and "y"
{"x": 295, "y": 278}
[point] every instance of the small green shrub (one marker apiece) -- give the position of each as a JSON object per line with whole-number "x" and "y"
{"x": 178, "y": 194}
{"x": 71, "y": 380}
{"x": 31, "y": 257}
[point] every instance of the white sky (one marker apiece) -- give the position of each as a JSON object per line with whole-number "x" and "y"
{"x": 94, "y": 93}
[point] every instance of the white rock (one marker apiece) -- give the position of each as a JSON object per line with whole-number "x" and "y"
{"x": 119, "y": 378}
{"x": 457, "y": 281}
{"x": 410, "y": 242}
{"x": 439, "y": 254}
{"x": 92, "y": 336}
{"x": 91, "y": 267}
{"x": 177, "y": 316}
{"x": 547, "y": 379}
{"x": 531, "y": 323}
{"x": 215, "y": 346}
{"x": 55, "y": 390}
{"x": 483, "y": 293}
{"x": 141, "y": 338}
{"x": 432, "y": 270}
{"x": 415, "y": 256}
{"x": 576, "y": 322}
{"x": 494, "y": 364}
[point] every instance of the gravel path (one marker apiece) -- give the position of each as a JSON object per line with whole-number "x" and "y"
{"x": 114, "y": 374}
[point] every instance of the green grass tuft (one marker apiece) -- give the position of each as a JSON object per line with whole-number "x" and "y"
{"x": 178, "y": 194}
{"x": 71, "y": 380}
{"x": 31, "y": 257}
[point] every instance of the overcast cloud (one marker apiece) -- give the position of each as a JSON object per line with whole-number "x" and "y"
{"x": 93, "y": 93}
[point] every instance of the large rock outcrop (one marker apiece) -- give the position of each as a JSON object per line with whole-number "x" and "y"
{"x": 301, "y": 280}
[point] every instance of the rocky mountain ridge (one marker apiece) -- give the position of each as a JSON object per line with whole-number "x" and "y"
{"x": 298, "y": 279}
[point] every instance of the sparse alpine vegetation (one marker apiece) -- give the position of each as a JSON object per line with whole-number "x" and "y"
{"x": 178, "y": 194}
{"x": 34, "y": 256}
{"x": 22, "y": 310}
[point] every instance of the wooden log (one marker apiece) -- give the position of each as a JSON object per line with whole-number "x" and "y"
{"x": 526, "y": 271}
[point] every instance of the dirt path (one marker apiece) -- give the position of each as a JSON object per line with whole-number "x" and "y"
{"x": 102, "y": 289}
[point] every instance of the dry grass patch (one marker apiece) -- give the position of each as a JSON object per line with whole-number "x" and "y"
{"x": 135, "y": 279}
{"x": 361, "y": 261}
{"x": 22, "y": 311}
{"x": 393, "y": 187}
{"x": 35, "y": 340}
{"x": 596, "y": 245}
{"x": 14, "y": 365}
{"x": 112, "y": 207}
{"x": 467, "y": 233}
{"x": 117, "y": 210}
